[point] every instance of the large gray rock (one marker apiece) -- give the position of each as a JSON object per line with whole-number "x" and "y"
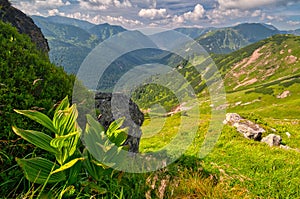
{"x": 272, "y": 140}
{"x": 114, "y": 106}
{"x": 24, "y": 24}
{"x": 249, "y": 129}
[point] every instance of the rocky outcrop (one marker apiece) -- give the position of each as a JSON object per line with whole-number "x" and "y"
{"x": 114, "y": 106}
{"x": 249, "y": 129}
{"x": 23, "y": 23}
{"x": 272, "y": 140}
{"x": 253, "y": 131}
{"x": 285, "y": 94}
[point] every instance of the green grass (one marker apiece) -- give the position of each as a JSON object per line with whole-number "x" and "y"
{"x": 245, "y": 168}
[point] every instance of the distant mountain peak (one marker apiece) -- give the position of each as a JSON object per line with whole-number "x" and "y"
{"x": 229, "y": 39}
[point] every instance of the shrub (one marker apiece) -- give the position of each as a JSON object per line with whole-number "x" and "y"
{"x": 27, "y": 81}
{"x": 64, "y": 144}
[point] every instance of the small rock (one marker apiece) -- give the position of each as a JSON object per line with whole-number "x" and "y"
{"x": 249, "y": 129}
{"x": 288, "y": 134}
{"x": 238, "y": 103}
{"x": 285, "y": 147}
{"x": 285, "y": 94}
{"x": 272, "y": 140}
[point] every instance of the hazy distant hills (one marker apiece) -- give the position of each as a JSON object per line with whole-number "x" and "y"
{"x": 71, "y": 40}
{"x": 295, "y": 32}
{"x": 104, "y": 31}
{"x": 194, "y": 32}
{"x": 226, "y": 40}
{"x": 65, "y": 20}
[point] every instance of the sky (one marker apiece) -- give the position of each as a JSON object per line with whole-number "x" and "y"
{"x": 135, "y": 14}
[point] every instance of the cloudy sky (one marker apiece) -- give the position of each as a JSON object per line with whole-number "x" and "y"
{"x": 284, "y": 14}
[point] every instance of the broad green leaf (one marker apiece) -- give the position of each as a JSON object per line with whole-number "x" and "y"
{"x": 115, "y": 134}
{"x": 72, "y": 116}
{"x": 38, "y": 117}
{"x": 67, "y": 165}
{"x": 91, "y": 168}
{"x": 94, "y": 168}
{"x": 66, "y": 145}
{"x": 38, "y": 170}
{"x": 63, "y": 105}
{"x": 104, "y": 166}
{"x": 59, "y": 141}
{"x": 95, "y": 138}
{"x": 93, "y": 123}
{"x": 59, "y": 116}
{"x": 120, "y": 136}
{"x": 114, "y": 126}
{"x": 36, "y": 138}
{"x": 65, "y": 120}
{"x": 74, "y": 171}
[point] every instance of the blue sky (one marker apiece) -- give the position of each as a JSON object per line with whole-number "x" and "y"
{"x": 131, "y": 14}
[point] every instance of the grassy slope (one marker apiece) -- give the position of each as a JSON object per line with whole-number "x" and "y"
{"x": 245, "y": 168}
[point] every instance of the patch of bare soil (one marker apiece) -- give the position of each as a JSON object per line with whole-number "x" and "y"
{"x": 249, "y": 82}
{"x": 291, "y": 59}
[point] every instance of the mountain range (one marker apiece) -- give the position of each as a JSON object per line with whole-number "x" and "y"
{"x": 71, "y": 40}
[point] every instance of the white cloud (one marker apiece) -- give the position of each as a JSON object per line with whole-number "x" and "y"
{"x": 53, "y": 12}
{"x": 153, "y": 13}
{"x": 293, "y": 23}
{"x": 43, "y": 3}
{"x": 39, "y": 7}
{"x": 256, "y": 13}
{"x": 104, "y": 4}
{"x": 195, "y": 15}
{"x": 178, "y": 19}
{"x": 251, "y": 4}
{"x": 77, "y": 15}
{"x": 123, "y": 21}
{"x": 223, "y": 14}
{"x": 124, "y": 4}
{"x": 220, "y": 16}
{"x": 267, "y": 17}
{"x": 88, "y": 6}
{"x": 168, "y": 13}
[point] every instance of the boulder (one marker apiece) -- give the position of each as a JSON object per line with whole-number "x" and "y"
{"x": 272, "y": 140}
{"x": 249, "y": 129}
{"x": 117, "y": 105}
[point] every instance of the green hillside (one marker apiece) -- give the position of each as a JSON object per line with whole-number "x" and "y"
{"x": 227, "y": 40}
{"x": 256, "y": 76}
{"x": 28, "y": 81}
{"x": 71, "y": 40}
{"x": 276, "y": 58}
{"x": 193, "y": 32}
{"x": 248, "y": 169}
{"x": 105, "y": 31}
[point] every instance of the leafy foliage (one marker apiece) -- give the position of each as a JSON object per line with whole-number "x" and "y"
{"x": 27, "y": 81}
{"x": 62, "y": 146}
